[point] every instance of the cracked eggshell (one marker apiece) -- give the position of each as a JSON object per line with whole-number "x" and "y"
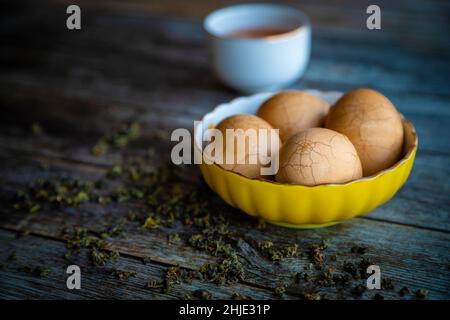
{"x": 246, "y": 121}
{"x": 318, "y": 156}
{"x": 293, "y": 111}
{"x": 372, "y": 124}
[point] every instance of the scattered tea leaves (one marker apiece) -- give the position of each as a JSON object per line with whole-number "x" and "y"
{"x": 159, "y": 198}
{"x": 151, "y": 222}
{"x": 171, "y": 278}
{"x": 81, "y": 238}
{"x": 115, "y": 171}
{"x": 153, "y": 284}
{"x": 57, "y": 192}
{"x": 127, "y": 133}
{"x": 121, "y": 274}
{"x": 279, "y": 253}
{"x": 358, "y": 270}
{"x": 119, "y": 138}
{"x": 101, "y": 257}
{"x": 316, "y": 256}
{"x": 325, "y": 279}
{"x": 421, "y": 293}
{"x": 229, "y": 270}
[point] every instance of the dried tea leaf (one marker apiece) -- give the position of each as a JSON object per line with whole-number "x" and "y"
{"x": 118, "y": 138}
{"x": 171, "y": 278}
{"x": 421, "y": 293}
{"x": 155, "y": 284}
{"x": 174, "y": 238}
{"x": 37, "y": 129}
{"x": 202, "y": 294}
{"x": 37, "y": 271}
{"x": 311, "y": 296}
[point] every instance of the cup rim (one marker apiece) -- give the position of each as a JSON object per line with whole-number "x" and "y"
{"x": 277, "y": 37}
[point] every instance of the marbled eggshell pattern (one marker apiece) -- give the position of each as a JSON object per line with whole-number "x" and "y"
{"x": 247, "y": 121}
{"x": 318, "y": 156}
{"x": 372, "y": 124}
{"x": 293, "y": 111}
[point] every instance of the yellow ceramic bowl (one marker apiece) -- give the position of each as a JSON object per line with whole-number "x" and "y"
{"x": 296, "y": 205}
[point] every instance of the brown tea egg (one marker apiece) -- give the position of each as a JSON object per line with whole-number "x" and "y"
{"x": 372, "y": 124}
{"x": 244, "y": 122}
{"x": 293, "y": 111}
{"x": 318, "y": 156}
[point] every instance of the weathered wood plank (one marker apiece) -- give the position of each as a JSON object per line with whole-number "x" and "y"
{"x": 158, "y": 61}
{"x": 88, "y": 113}
{"x": 159, "y": 65}
{"x": 92, "y": 76}
{"x": 155, "y": 37}
{"x": 153, "y": 59}
{"x": 405, "y": 262}
{"x": 423, "y": 200}
{"x": 96, "y": 281}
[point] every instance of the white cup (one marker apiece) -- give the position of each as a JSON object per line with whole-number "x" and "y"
{"x": 259, "y": 64}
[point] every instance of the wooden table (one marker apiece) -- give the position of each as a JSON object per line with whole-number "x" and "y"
{"x": 149, "y": 61}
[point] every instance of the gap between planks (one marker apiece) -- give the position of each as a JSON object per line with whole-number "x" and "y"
{"x": 102, "y": 168}
{"x": 156, "y": 262}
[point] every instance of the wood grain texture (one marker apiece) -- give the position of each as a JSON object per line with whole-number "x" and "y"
{"x": 96, "y": 282}
{"x": 145, "y": 72}
{"x": 148, "y": 60}
{"x": 423, "y": 201}
{"x": 403, "y": 260}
